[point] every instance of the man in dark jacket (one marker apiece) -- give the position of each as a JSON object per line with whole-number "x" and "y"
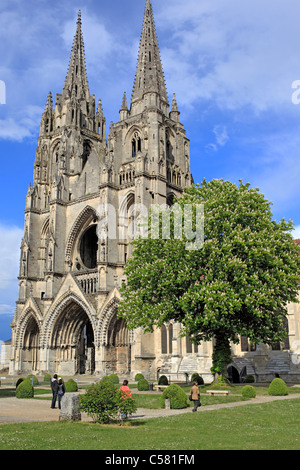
{"x": 54, "y": 388}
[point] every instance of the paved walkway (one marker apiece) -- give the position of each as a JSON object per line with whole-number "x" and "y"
{"x": 16, "y": 410}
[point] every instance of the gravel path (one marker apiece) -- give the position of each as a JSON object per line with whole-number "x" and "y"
{"x": 16, "y": 410}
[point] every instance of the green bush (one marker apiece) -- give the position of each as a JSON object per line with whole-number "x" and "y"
{"x": 249, "y": 379}
{"x": 114, "y": 378}
{"x": 47, "y": 378}
{"x": 248, "y": 392}
{"x": 71, "y": 386}
{"x": 176, "y": 395}
{"x": 163, "y": 380}
{"x": 103, "y": 402}
{"x": 19, "y": 381}
{"x": 278, "y": 388}
{"x": 143, "y": 385}
{"x": 197, "y": 378}
{"x": 33, "y": 378}
{"x": 25, "y": 389}
{"x": 138, "y": 377}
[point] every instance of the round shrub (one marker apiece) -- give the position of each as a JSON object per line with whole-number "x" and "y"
{"x": 25, "y": 389}
{"x": 278, "y": 388}
{"x": 197, "y": 378}
{"x": 143, "y": 385}
{"x": 248, "y": 392}
{"x": 114, "y": 378}
{"x": 19, "y": 381}
{"x": 249, "y": 379}
{"x": 33, "y": 379}
{"x": 163, "y": 380}
{"x": 176, "y": 395}
{"x": 71, "y": 386}
{"x": 47, "y": 378}
{"x": 138, "y": 377}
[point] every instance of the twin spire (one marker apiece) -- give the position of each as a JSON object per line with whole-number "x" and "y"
{"x": 76, "y": 82}
{"x": 149, "y": 76}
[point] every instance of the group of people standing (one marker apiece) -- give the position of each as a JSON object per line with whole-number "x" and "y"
{"x": 58, "y": 390}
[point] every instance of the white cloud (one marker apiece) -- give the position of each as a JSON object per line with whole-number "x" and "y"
{"x": 296, "y": 232}
{"x": 234, "y": 53}
{"x": 6, "y": 309}
{"x": 21, "y": 125}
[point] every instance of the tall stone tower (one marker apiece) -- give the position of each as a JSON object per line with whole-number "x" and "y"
{"x": 66, "y": 316}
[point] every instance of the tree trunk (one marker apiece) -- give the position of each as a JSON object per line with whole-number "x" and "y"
{"x": 221, "y": 356}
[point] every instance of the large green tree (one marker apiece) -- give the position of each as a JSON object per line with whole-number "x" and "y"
{"x": 238, "y": 283}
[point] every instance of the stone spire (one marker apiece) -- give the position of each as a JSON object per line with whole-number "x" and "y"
{"x": 76, "y": 83}
{"x": 174, "y": 114}
{"x": 49, "y": 104}
{"x": 149, "y": 76}
{"x": 124, "y": 108}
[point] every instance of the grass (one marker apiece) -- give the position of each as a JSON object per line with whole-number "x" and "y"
{"x": 269, "y": 426}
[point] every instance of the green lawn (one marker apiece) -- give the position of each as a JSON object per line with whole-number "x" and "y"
{"x": 271, "y": 426}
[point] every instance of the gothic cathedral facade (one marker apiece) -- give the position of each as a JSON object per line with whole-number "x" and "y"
{"x": 66, "y": 316}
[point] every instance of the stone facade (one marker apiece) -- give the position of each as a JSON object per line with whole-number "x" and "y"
{"x": 66, "y": 316}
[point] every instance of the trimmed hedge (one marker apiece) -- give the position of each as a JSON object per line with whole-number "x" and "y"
{"x": 278, "y": 388}
{"x": 249, "y": 379}
{"x": 143, "y": 385}
{"x": 71, "y": 386}
{"x": 47, "y": 378}
{"x": 34, "y": 378}
{"x": 25, "y": 389}
{"x": 138, "y": 377}
{"x": 177, "y": 397}
{"x": 248, "y": 392}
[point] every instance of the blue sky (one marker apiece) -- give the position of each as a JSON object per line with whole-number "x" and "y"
{"x": 231, "y": 64}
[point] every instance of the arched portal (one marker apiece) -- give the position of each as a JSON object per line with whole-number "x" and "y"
{"x": 233, "y": 374}
{"x": 72, "y": 342}
{"x": 118, "y": 350}
{"x": 31, "y": 346}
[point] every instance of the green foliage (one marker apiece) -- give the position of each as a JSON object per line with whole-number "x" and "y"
{"x": 220, "y": 383}
{"x": 33, "y": 378}
{"x": 19, "y": 381}
{"x": 248, "y": 392}
{"x": 176, "y": 395}
{"x": 221, "y": 354}
{"x": 197, "y": 378}
{"x": 163, "y": 380}
{"x": 103, "y": 402}
{"x": 71, "y": 386}
{"x": 249, "y": 379}
{"x": 238, "y": 283}
{"x": 114, "y": 378}
{"x": 278, "y": 388}
{"x": 138, "y": 377}
{"x": 143, "y": 385}
{"x": 25, "y": 389}
{"x": 47, "y": 378}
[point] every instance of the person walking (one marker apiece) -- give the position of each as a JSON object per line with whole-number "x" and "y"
{"x": 195, "y": 396}
{"x": 54, "y": 388}
{"x": 61, "y": 391}
{"x": 126, "y": 393}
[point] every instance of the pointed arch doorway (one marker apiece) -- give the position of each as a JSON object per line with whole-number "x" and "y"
{"x": 118, "y": 348}
{"x": 72, "y": 342}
